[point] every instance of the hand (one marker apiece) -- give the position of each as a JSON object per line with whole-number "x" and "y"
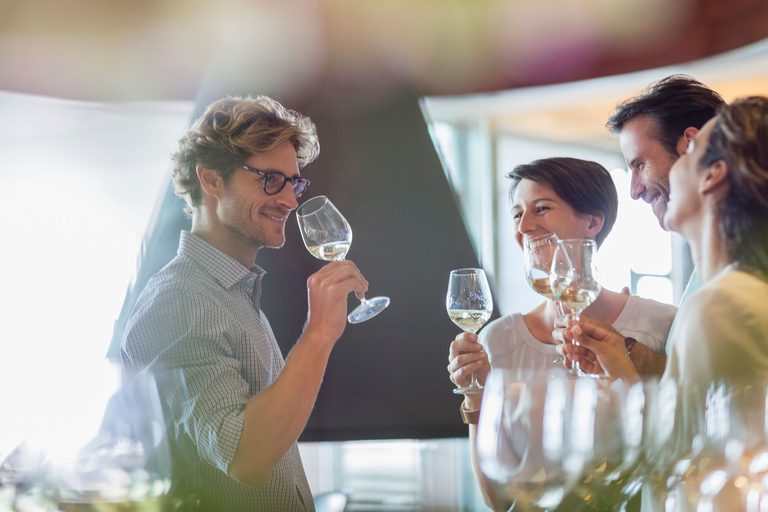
{"x": 570, "y": 351}
{"x": 604, "y": 347}
{"x": 328, "y": 289}
{"x": 465, "y": 356}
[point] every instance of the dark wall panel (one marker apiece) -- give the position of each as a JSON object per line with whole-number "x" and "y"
{"x": 386, "y": 377}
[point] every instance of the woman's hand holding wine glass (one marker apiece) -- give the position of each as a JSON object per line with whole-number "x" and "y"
{"x": 469, "y": 304}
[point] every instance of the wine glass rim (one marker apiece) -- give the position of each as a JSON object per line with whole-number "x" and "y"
{"x": 592, "y": 240}
{"x": 314, "y": 204}
{"x": 539, "y": 238}
{"x": 460, "y": 271}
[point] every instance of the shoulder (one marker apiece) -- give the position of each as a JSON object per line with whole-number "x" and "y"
{"x": 722, "y": 329}
{"x": 503, "y": 334}
{"x": 500, "y": 325}
{"x": 177, "y": 303}
{"x": 730, "y": 296}
{"x": 498, "y": 329}
{"x": 648, "y": 321}
{"x": 648, "y": 312}
{"x": 650, "y": 308}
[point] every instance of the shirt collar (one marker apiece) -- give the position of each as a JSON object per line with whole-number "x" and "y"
{"x": 224, "y": 268}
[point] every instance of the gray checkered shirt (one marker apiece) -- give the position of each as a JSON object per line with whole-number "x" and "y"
{"x": 199, "y": 329}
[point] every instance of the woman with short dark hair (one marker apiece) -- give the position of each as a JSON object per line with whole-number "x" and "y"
{"x": 573, "y": 199}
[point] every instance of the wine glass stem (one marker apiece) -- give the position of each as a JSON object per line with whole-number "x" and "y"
{"x": 576, "y": 317}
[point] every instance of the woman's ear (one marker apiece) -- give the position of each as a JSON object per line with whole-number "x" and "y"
{"x": 596, "y": 223}
{"x": 210, "y": 181}
{"x": 714, "y": 178}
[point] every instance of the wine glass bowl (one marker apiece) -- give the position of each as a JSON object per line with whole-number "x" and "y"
{"x": 469, "y": 304}
{"x": 537, "y": 260}
{"x": 573, "y": 276}
{"x": 538, "y": 252}
{"x": 328, "y": 236}
{"x": 523, "y": 439}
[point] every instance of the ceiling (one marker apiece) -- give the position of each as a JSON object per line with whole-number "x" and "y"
{"x": 124, "y": 50}
{"x": 576, "y": 112}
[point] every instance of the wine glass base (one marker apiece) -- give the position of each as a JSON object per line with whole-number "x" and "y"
{"x": 469, "y": 390}
{"x": 368, "y": 309}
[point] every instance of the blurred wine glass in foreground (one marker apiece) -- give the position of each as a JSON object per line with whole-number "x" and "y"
{"x": 523, "y": 439}
{"x": 123, "y": 462}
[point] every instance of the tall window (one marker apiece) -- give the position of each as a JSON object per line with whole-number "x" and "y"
{"x": 478, "y": 148}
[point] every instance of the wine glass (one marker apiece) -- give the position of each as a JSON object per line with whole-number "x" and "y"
{"x": 113, "y": 453}
{"x": 524, "y": 440}
{"x": 537, "y": 260}
{"x": 606, "y": 434}
{"x": 327, "y": 236}
{"x": 469, "y": 304}
{"x": 573, "y": 276}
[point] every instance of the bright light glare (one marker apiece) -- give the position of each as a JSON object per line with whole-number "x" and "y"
{"x": 638, "y": 244}
{"x": 80, "y": 181}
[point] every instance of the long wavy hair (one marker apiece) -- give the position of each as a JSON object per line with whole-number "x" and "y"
{"x": 740, "y": 139}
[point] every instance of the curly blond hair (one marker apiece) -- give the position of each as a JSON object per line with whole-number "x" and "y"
{"x": 229, "y": 132}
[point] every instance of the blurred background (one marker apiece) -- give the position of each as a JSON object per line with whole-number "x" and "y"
{"x": 421, "y": 105}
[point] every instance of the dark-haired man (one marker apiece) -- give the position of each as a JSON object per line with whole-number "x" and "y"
{"x": 654, "y": 130}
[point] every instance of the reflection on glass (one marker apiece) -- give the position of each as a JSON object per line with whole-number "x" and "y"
{"x": 124, "y": 464}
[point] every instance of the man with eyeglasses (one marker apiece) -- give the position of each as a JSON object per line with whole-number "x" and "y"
{"x": 235, "y": 408}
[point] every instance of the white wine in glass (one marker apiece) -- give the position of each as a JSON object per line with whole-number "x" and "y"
{"x": 328, "y": 236}
{"x": 538, "y": 252}
{"x": 469, "y": 304}
{"x": 574, "y": 277}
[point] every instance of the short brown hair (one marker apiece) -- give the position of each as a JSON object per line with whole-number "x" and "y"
{"x": 586, "y": 186}
{"x": 740, "y": 139}
{"x": 229, "y": 132}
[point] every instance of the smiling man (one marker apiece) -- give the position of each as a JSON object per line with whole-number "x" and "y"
{"x": 234, "y": 407}
{"x": 655, "y": 129}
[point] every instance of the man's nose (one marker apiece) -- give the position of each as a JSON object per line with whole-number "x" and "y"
{"x": 287, "y": 198}
{"x": 636, "y": 187}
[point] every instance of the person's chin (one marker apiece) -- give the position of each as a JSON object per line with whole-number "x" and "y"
{"x": 660, "y": 210}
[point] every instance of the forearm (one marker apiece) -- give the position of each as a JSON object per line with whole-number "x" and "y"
{"x": 647, "y": 361}
{"x": 276, "y": 417}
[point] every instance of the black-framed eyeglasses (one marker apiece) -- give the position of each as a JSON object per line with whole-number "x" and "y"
{"x": 274, "y": 181}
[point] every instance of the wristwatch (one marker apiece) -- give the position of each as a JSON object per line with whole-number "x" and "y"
{"x": 629, "y": 343}
{"x": 469, "y": 417}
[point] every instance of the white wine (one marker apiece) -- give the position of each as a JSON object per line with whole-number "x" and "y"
{"x": 329, "y": 252}
{"x": 469, "y": 320}
{"x": 542, "y": 287}
{"x": 576, "y": 300}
